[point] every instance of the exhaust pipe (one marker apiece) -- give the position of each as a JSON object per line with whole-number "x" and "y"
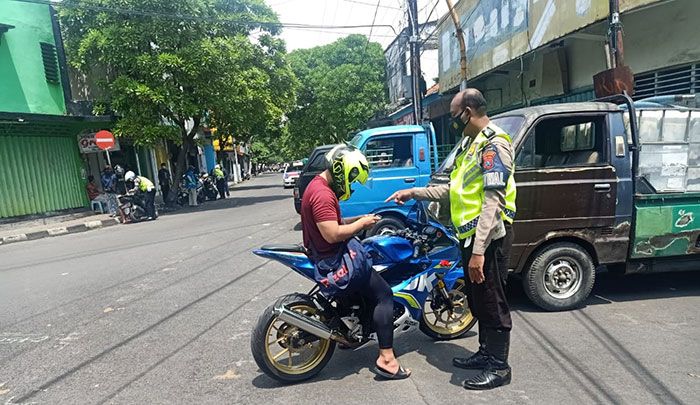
{"x": 308, "y": 324}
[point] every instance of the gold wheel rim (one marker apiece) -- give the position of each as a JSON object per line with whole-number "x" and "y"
{"x": 292, "y": 358}
{"x": 445, "y": 321}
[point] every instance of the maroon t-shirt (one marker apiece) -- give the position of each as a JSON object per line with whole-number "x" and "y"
{"x": 319, "y": 204}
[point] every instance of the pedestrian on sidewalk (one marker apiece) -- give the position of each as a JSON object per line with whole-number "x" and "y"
{"x": 191, "y": 185}
{"x": 164, "y": 179}
{"x": 109, "y": 185}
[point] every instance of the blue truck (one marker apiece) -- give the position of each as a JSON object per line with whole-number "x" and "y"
{"x": 400, "y": 156}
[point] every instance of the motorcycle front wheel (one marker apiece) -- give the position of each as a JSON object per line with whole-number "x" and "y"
{"x": 442, "y": 323}
{"x": 283, "y": 351}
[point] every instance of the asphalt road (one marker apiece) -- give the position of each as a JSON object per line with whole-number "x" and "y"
{"x": 162, "y": 312}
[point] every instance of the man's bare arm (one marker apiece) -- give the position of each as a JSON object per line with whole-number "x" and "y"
{"x": 332, "y": 232}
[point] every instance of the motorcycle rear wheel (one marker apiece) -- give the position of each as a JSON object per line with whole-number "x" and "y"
{"x": 276, "y": 348}
{"x": 445, "y": 324}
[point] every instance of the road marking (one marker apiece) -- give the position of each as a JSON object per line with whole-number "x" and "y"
{"x": 228, "y": 375}
{"x": 64, "y": 274}
{"x": 108, "y": 310}
{"x": 13, "y": 338}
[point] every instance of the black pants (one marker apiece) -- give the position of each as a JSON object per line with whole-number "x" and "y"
{"x": 165, "y": 189}
{"x": 487, "y": 300}
{"x": 221, "y": 187}
{"x": 378, "y": 293}
{"x": 149, "y": 200}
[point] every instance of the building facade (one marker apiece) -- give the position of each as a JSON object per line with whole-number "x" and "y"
{"x": 40, "y": 166}
{"x": 530, "y": 52}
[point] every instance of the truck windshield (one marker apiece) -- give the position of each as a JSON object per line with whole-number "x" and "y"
{"x": 512, "y": 124}
{"x": 355, "y": 140}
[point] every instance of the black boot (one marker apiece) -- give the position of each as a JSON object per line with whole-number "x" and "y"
{"x": 478, "y": 360}
{"x": 498, "y": 372}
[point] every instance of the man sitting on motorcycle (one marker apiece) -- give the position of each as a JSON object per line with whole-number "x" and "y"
{"x": 325, "y": 233}
{"x": 145, "y": 187}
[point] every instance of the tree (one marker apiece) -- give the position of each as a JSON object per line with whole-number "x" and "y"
{"x": 343, "y": 87}
{"x": 172, "y": 64}
{"x": 264, "y": 92}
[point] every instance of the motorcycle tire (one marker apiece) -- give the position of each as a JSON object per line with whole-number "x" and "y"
{"x": 445, "y": 333}
{"x": 261, "y": 348}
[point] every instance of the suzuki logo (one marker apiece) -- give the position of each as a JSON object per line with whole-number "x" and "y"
{"x": 423, "y": 283}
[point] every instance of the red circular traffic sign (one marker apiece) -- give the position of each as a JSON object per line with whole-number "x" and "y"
{"x": 104, "y": 140}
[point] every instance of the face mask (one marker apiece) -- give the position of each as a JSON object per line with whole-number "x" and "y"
{"x": 457, "y": 125}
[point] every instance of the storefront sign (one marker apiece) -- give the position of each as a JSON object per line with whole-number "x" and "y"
{"x": 88, "y": 144}
{"x": 498, "y": 31}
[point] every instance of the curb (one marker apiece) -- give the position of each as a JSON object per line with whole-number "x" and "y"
{"x": 58, "y": 231}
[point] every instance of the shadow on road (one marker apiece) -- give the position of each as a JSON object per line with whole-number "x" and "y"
{"x": 227, "y": 203}
{"x": 349, "y": 362}
{"x": 258, "y": 187}
{"x": 610, "y": 288}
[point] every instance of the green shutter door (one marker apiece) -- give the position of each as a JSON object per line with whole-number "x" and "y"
{"x": 39, "y": 174}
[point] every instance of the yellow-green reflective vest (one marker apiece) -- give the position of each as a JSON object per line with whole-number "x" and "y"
{"x": 145, "y": 184}
{"x": 218, "y": 173}
{"x": 467, "y": 185}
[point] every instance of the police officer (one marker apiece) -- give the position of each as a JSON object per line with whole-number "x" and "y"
{"x": 145, "y": 186}
{"x": 220, "y": 180}
{"x": 482, "y": 206}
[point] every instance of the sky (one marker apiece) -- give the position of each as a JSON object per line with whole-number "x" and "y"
{"x": 347, "y": 12}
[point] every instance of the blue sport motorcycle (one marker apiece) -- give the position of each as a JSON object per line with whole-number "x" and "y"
{"x": 295, "y": 337}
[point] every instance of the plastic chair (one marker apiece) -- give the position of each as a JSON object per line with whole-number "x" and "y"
{"x": 100, "y": 206}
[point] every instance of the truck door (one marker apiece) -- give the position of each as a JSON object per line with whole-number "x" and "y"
{"x": 566, "y": 184}
{"x": 392, "y": 167}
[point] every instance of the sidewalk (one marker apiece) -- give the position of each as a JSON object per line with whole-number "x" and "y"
{"x": 83, "y": 221}
{"x": 53, "y": 226}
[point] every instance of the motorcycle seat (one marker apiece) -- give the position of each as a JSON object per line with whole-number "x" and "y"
{"x": 285, "y": 248}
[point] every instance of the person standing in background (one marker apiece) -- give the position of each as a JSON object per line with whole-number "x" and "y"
{"x": 109, "y": 185}
{"x": 164, "y": 179}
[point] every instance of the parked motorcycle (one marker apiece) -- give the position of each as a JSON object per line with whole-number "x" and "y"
{"x": 295, "y": 337}
{"x": 208, "y": 189}
{"x": 132, "y": 209}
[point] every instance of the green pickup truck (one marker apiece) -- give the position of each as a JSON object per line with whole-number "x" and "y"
{"x": 597, "y": 190}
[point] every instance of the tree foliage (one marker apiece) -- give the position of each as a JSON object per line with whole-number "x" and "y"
{"x": 343, "y": 86}
{"x": 170, "y": 66}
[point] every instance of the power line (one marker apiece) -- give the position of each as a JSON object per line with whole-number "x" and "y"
{"x": 370, "y": 4}
{"x": 376, "y": 9}
{"x": 142, "y": 13}
{"x": 427, "y": 20}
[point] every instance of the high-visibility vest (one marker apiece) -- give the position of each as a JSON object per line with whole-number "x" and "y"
{"x": 145, "y": 184}
{"x": 467, "y": 185}
{"x": 218, "y": 173}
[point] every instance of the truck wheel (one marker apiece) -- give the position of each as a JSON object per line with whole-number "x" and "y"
{"x": 560, "y": 277}
{"x": 386, "y": 226}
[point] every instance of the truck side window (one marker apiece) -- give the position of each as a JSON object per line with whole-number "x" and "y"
{"x": 526, "y": 155}
{"x": 385, "y": 153}
{"x": 567, "y": 141}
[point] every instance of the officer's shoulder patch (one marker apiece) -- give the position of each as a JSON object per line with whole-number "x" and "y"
{"x": 488, "y": 156}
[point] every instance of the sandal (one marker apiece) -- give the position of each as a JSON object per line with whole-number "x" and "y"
{"x": 401, "y": 374}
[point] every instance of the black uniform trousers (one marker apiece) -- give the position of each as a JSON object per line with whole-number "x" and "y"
{"x": 150, "y": 203}
{"x": 487, "y": 300}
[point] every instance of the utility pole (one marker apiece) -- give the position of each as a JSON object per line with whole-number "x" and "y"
{"x": 618, "y": 78}
{"x": 415, "y": 61}
{"x": 462, "y": 45}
